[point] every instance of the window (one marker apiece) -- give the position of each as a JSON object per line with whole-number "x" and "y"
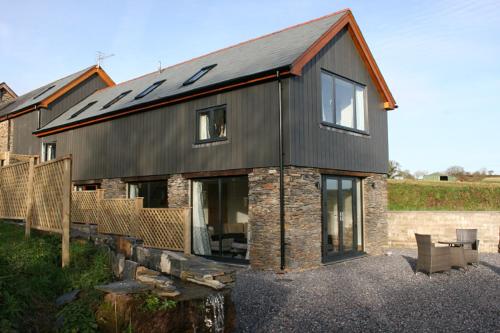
{"x": 198, "y": 75}
{"x": 149, "y": 89}
{"x": 211, "y": 124}
{"x": 153, "y": 192}
{"x": 77, "y": 113}
{"x": 343, "y": 102}
{"x": 43, "y": 92}
{"x": 48, "y": 151}
{"x": 87, "y": 187}
{"x": 116, "y": 99}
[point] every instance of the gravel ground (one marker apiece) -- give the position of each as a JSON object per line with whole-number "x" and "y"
{"x": 379, "y": 293}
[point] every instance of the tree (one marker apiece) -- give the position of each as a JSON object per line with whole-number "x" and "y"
{"x": 394, "y": 169}
{"x": 455, "y": 170}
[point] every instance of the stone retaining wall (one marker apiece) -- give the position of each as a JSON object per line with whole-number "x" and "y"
{"x": 442, "y": 226}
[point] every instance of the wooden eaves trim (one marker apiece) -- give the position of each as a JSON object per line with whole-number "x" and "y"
{"x": 65, "y": 89}
{"x": 347, "y": 20}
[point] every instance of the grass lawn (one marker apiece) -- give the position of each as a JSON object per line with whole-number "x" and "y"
{"x": 426, "y": 195}
{"x": 31, "y": 278}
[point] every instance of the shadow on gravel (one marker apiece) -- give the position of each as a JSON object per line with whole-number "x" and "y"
{"x": 494, "y": 269}
{"x": 412, "y": 262}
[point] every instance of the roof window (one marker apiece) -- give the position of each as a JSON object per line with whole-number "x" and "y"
{"x": 116, "y": 99}
{"x": 74, "y": 115}
{"x": 149, "y": 89}
{"x": 43, "y": 92}
{"x": 198, "y": 75}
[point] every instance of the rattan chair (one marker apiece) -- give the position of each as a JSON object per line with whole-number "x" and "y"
{"x": 431, "y": 259}
{"x": 471, "y": 250}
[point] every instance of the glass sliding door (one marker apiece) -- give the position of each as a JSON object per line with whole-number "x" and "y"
{"x": 342, "y": 217}
{"x": 220, "y": 217}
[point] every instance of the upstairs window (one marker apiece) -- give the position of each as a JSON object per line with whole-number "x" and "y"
{"x": 43, "y": 92}
{"x": 48, "y": 151}
{"x": 211, "y": 124}
{"x": 343, "y": 102}
{"x": 198, "y": 75}
{"x": 116, "y": 99}
{"x": 77, "y": 113}
{"x": 149, "y": 89}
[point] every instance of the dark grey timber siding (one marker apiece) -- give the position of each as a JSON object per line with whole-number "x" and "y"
{"x": 162, "y": 141}
{"x": 23, "y": 141}
{"x": 72, "y": 97}
{"x": 314, "y": 145}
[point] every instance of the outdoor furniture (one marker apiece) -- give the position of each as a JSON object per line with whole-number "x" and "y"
{"x": 471, "y": 248}
{"x": 430, "y": 258}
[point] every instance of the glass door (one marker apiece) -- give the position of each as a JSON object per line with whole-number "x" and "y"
{"x": 342, "y": 217}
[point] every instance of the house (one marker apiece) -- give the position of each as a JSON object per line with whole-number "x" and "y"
{"x": 21, "y": 115}
{"x": 436, "y": 176}
{"x": 7, "y": 95}
{"x": 279, "y": 144}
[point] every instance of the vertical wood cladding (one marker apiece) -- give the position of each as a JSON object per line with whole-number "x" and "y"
{"x": 315, "y": 145}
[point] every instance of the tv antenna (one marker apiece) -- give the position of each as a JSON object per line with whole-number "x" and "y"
{"x": 100, "y": 57}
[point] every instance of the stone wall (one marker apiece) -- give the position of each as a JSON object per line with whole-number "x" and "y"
{"x": 178, "y": 191}
{"x": 375, "y": 214}
{"x": 442, "y": 225}
{"x": 115, "y": 188}
{"x": 4, "y": 133}
{"x": 302, "y": 218}
{"x": 264, "y": 218}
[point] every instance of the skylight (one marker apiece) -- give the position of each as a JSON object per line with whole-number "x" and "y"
{"x": 198, "y": 75}
{"x": 43, "y": 92}
{"x": 149, "y": 89}
{"x": 116, "y": 99}
{"x": 74, "y": 115}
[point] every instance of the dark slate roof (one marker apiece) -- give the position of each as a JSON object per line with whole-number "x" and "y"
{"x": 273, "y": 51}
{"x": 27, "y": 100}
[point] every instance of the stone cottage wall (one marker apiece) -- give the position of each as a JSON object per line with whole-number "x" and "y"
{"x": 4, "y": 135}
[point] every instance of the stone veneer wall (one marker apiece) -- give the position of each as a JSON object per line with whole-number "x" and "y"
{"x": 4, "y": 133}
{"x": 178, "y": 191}
{"x": 115, "y": 188}
{"x": 375, "y": 214}
{"x": 303, "y": 224}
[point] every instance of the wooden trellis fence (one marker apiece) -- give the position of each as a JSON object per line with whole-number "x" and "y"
{"x": 39, "y": 194}
{"x": 165, "y": 228}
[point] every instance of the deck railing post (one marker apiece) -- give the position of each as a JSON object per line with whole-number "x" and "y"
{"x": 29, "y": 198}
{"x": 135, "y": 219}
{"x": 187, "y": 231}
{"x": 66, "y": 211}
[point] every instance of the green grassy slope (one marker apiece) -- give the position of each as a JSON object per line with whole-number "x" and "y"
{"x": 422, "y": 195}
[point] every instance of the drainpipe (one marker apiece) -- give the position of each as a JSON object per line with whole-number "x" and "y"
{"x": 282, "y": 170}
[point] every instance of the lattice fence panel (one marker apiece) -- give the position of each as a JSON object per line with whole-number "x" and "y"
{"x": 162, "y": 227}
{"x": 48, "y": 180}
{"x": 84, "y": 207}
{"x": 115, "y": 216}
{"x": 14, "y": 190}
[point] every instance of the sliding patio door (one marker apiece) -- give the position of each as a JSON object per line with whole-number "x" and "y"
{"x": 220, "y": 217}
{"x": 342, "y": 217}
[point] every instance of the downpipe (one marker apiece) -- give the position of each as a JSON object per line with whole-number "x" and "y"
{"x": 282, "y": 170}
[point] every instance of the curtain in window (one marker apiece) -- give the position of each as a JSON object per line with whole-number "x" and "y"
{"x": 201, "y": 241}
{"x": 204, "y": 126}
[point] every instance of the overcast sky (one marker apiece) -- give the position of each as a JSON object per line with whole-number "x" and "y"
{"x": 441, "y": 59}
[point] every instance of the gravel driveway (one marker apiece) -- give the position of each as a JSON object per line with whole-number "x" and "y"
{"x": 379, "y": 293}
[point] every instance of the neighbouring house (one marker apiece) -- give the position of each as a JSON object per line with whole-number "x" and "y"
{"x": 279, "y": 144}
{"x": 7, "y": 95}
{"x": 21, "y": 115}
{"x": 439, "y": 177}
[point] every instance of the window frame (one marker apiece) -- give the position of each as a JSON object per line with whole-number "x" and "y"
{"x": 44, "y": 150}
{"x": 355, "y": 108}
{"x": 116, "y": 99}
{"x": 146, "y": 202}
{"x": 149, "y": 89}
{"x": 44, "y": 91}
{"x": 204, "y": 70}
{"x": 197, "y": 121}
{"x": 82, "y": 110}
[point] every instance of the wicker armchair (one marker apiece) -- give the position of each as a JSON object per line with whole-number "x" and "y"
{"x": 430, "y": 258}
{"x": 471, "y": 250}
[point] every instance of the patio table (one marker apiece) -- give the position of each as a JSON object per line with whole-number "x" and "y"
{"x": 457, "y": 253}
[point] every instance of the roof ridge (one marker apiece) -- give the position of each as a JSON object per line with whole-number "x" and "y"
{"x": 235, "y": 45}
